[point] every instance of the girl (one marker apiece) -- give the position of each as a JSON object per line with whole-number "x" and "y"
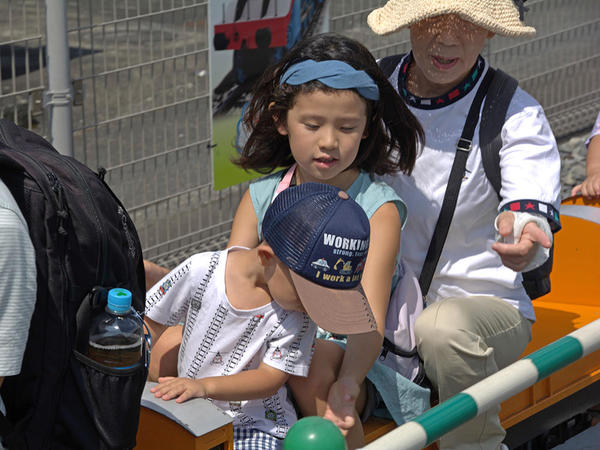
{"x": 327, "y": 114}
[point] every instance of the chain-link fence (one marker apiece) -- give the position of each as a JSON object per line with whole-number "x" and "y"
{"x": 140, "y": 71}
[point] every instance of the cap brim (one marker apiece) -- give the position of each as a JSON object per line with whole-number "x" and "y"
{"x": 340, "y": 311}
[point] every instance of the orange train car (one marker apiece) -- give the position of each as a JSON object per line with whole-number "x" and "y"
{"x": 528, "y": 416}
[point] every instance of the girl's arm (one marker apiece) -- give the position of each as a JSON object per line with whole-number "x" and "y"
{"x": 363, "y": 349}
{"x": 261, "y": 382}
{"x": 154, "y": 273}
{"x": 156, "y": 329}
{"x": 245, "y": 223}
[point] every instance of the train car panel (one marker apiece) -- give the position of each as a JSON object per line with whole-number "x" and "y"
{"x": 573, "y": 303}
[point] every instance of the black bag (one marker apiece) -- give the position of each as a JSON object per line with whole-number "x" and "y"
{"x": 85, "y": 243}
{"x": 499, "y": 94}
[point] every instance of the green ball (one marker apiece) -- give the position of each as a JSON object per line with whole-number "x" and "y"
{"x": 314, "y": 433}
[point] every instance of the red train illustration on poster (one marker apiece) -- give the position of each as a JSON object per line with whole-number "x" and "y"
{"x": 259, "y": 32}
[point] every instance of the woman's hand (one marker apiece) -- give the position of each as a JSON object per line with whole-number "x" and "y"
{"x": 518, "y": 255}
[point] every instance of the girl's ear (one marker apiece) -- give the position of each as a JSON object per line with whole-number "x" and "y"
{"x": 281, "y": 127}
{"x": 279, "y": 124}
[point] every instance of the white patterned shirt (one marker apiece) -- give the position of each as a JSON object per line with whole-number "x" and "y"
{"x": 219, "y": 339}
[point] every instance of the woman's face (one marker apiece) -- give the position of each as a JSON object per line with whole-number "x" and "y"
{"x": 445, "y": 48}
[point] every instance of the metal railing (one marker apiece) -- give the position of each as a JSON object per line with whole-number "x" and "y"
{"x": 141, "y": 96}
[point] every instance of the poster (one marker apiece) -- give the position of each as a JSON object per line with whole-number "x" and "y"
{"x": 246, "y": 36}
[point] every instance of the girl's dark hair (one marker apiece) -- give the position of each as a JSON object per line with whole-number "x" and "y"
{"x": 393, "y": 133}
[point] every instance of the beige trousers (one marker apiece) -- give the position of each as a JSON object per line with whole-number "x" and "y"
{"x": 463, "y": 340}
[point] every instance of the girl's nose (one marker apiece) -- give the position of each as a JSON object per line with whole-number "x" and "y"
{"x": 327, "y": 138}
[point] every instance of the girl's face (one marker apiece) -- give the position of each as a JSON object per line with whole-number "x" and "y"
{"x": 445, "y": 48}
{"x": 325, "y": 130}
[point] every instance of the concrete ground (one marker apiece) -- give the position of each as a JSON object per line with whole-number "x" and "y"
{"x": 586, "y": 440}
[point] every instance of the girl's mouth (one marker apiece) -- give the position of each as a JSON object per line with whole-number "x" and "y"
{"x": 325, "y": 162}
{"x": 444, "y": 63}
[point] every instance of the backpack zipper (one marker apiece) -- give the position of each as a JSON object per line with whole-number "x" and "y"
{"x": 99, "y": 227}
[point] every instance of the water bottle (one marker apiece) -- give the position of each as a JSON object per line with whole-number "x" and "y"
{"x": 116, "y": 334}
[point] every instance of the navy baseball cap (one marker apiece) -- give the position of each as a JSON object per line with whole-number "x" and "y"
{"x": 322, "y": 235}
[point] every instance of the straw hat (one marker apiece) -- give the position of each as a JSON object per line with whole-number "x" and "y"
{"x": 498, "y": 16}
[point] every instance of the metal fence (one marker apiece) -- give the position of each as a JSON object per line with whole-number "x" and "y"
{"x": 140, "y": 71}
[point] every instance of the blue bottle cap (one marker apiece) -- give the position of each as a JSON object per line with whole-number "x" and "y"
{"x": 119, "y": 300}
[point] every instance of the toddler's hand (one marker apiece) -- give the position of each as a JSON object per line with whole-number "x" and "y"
{"x": 182, "y": 388}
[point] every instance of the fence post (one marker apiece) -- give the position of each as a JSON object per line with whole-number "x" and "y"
{"x": 59, "y": 96}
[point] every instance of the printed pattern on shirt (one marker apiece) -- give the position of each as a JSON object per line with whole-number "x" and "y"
{"x": 242, "y": 344}
{"x": 240, "y": 417}
{"x": 275, "y": 327}
{"x": 536, "y": 207}
{"x": 275, "y": 413}
{"x": 173, "y": 279}
{"x": 196, "y": 301}
{"x": 215, "y": 327}
{"x": 294, "y": 353}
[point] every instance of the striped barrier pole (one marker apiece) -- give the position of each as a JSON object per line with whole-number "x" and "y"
{"x": 439, "y": 420}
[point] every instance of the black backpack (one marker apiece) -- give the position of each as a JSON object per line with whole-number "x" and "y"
{"x": 499, "y": 95}
{"x": 85, "y": 243}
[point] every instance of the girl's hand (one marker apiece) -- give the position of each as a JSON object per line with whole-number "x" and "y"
{"x": 590, "y": 186}
{"x": 182, "y": 388}
{"x": 341, "y": 403}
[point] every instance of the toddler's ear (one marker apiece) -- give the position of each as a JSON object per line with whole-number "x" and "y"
{"x": 266, "y": 256}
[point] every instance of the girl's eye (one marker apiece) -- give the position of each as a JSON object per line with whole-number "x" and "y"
{"x": 311, "y": 126}
{"x": 348, "y": 129}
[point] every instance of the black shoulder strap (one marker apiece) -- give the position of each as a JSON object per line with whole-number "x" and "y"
{"x": 493, "y": 116}
{"x": 388, "y": 63}
{"x": 453, "y": 187}
{"x": 501, "y": 91}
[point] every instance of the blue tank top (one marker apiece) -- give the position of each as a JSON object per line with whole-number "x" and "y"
{"x": 368, "y": 193}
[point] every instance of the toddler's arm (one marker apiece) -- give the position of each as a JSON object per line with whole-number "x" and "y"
{"x": 261, "y": 382}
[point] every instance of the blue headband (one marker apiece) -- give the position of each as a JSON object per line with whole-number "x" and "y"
{"x": 333, "y": 73}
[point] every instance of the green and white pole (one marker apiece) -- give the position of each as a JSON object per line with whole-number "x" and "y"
{"x": 496, "y": 388}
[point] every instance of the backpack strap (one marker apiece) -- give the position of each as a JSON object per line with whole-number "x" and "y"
{"x": 389, "y": 63}
{"x": 463, "y": 147}
{"x": 500, "y": 93}
{"x": 12, "y": 436}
